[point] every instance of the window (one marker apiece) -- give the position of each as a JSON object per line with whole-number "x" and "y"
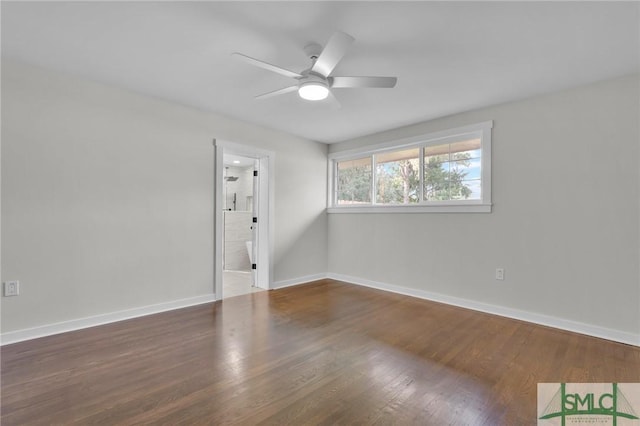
{"x": 354, "y": 182}
{"x": 452, "y": 171}
{"x": 398, "y": 177}
{"x": 444, "y": 172}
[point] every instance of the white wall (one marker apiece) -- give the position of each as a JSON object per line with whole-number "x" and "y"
{"x": 565, "y": 220}
{"x": 107, "y": 205}
{"x": 108, "y": 198}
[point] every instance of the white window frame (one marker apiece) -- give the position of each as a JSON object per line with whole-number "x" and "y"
{"x": 482, "y": 130}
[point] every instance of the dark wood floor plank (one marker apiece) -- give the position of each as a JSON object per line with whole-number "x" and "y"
{"x": 322, "y": 353}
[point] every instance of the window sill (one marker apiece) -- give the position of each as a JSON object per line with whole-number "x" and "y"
{"x": 441, "y": 208}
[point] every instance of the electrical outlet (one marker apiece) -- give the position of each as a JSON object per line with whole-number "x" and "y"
{"x": 499, "y": 274}
{"x": 11, "y": 288}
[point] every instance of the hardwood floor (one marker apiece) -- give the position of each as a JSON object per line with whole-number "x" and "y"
{"x": 322, "y": 353}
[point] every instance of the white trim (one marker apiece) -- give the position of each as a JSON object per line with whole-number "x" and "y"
{"x": 486, "y": 164}
{"x": 331, "y": 185}
{"x": 299, "y": 280}
{"x": 418, "y": 208}
{"x": 92, "y": 321}
{"x": 266, "y": 209}
{"x": 243, "y": 150}
{"x": 435, "y": 137}
{"x": 218, "y": 228}
{"x": 480, "y": 130}
{"x": 540, "y": 319}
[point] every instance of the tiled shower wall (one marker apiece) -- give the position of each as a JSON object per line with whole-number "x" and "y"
{"x": 237, "y": 231}
{"x": 243, "y": 188}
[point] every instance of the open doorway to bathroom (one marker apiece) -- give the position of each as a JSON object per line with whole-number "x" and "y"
{"x": 238, "y": 213}
{"x": 243, "y": 220}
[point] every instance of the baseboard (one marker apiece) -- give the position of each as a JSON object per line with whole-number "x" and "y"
{"x": 549, "y": 321}
{"x": 299, "y": 280}
{"x": 77, "y": 324}
{"x": 563, "y": 324}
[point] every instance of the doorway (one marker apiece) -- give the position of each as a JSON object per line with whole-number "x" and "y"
{"x": 243, "y": 222}
{"x": 238, "y": 230}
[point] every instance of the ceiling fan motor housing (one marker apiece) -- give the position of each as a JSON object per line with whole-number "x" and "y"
{"x": 313, "y": 78}
{"x": 313, "y": 50}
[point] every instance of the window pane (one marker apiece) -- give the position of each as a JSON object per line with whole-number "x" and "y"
{"x": 436, "y": 179}
{"x": 469, "y": 148}
{"x": 354, "y": 181}
{"x": 471, "y": 154}
{"x": 436, "y": 150}
{"x": 397, "y": 177}
{"x": 437, "y": 153}
{"x": 472, "y": 188}
{"x": 466, "y": 169}
{"x": 457, "y": 179}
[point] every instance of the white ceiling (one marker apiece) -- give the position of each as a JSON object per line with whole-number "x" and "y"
{"x": 237, "y": 161}
{"x": 448, "y": 56}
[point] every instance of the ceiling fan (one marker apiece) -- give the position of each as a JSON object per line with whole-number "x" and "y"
{"x": 315, "y": 83}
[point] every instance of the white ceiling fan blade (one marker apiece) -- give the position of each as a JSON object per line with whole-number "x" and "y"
{"x": 265, "y": 65}
{"x": 332, "y": 101}
{"x": 356, "y": 82}
{"x": 332, "y": 53}
{"x": 277, "y": 92}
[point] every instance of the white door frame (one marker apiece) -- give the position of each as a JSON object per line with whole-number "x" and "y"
{"x": 264, "y": 252}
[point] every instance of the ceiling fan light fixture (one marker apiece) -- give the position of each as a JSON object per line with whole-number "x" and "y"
{"x": 315, "y": 83}
{"x": 313, "y": 91}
